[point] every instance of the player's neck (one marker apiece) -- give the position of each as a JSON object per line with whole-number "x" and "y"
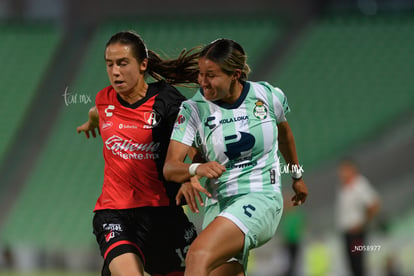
{"x": 234, "y": 93}
{"x": 137, "y": 94}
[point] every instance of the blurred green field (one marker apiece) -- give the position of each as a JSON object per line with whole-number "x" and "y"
{"x": 50, "y": 273}
{"x": 46, "y": 273}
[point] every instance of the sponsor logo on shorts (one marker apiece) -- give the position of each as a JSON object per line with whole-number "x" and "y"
{"x": 109, "y": 236}
{"x": 114, "y": 230}
{"x": 112, "y": 226}
{"x": 189, "y": 234}
{"x": 248, "y": 210}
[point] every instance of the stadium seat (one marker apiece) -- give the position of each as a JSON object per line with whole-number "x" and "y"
{"x": 25, "y": 51}
{"x": 346, "y": 79}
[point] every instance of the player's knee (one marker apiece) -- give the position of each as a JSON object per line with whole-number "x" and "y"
{"x": 199, "y": 257}
{"x": 127, "y": 264}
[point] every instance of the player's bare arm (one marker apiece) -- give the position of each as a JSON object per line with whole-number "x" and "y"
{"x": 92, "y": 125}
{"x": 288, "y": 149}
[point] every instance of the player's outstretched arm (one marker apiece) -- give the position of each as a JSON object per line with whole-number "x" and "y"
{"x": 92, "y": 125}
{"x": 288, "y": 149}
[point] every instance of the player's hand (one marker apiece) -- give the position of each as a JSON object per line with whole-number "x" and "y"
{"x": 88, "y": 128}
{"x": 191, "y": 192}
{"x": 210, "y": 169}
{"x": 301, "y": 192}
{"x": 92, "y": 124}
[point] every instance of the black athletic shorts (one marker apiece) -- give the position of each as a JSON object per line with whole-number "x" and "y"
{"x": 160, "y": 236}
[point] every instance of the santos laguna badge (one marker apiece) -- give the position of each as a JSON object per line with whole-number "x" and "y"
{"x": 260, "y": 110}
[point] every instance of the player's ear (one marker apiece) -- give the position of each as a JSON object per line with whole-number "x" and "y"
{"x": 236, "y": 74}
{"x": 143, "y": 65}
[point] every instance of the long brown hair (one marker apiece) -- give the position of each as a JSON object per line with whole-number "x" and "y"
{"x": 182, "y": 70}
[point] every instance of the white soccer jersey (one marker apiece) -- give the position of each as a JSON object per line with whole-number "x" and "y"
{"x": 242, "y": 137}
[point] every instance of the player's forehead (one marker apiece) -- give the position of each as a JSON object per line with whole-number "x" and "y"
{"x": 207, "y": 65}
{"x": 118, "y": 51}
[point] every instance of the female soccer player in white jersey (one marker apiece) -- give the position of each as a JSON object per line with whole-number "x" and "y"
{"x": 238, "y": 126}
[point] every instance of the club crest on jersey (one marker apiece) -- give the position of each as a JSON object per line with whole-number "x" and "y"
{"x": 260, "y": 110}
{"x": 152, "y": 119}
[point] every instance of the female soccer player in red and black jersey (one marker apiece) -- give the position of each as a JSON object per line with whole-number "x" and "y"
{"x": 137, "y": 224}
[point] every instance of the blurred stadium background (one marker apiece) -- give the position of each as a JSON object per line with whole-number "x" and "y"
{"x": 346, "y": 66}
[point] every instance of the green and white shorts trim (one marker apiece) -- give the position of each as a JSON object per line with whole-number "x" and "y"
{"x": 257, "y": 215}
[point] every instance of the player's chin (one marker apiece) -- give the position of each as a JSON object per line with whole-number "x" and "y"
{"x": 122, "y": 90}
{"x": 210, "y": 95}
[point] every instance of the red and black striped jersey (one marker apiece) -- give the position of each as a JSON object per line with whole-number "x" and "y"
{"x": 135, "y": 142}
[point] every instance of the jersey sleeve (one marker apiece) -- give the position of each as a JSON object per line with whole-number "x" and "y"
{"x": 173, "y": 106}
{"x": 103, "y": 96}
{"x": 282, "y": 99}
{"x": 185, "y": 127}
{"x": 279, "y": 101}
